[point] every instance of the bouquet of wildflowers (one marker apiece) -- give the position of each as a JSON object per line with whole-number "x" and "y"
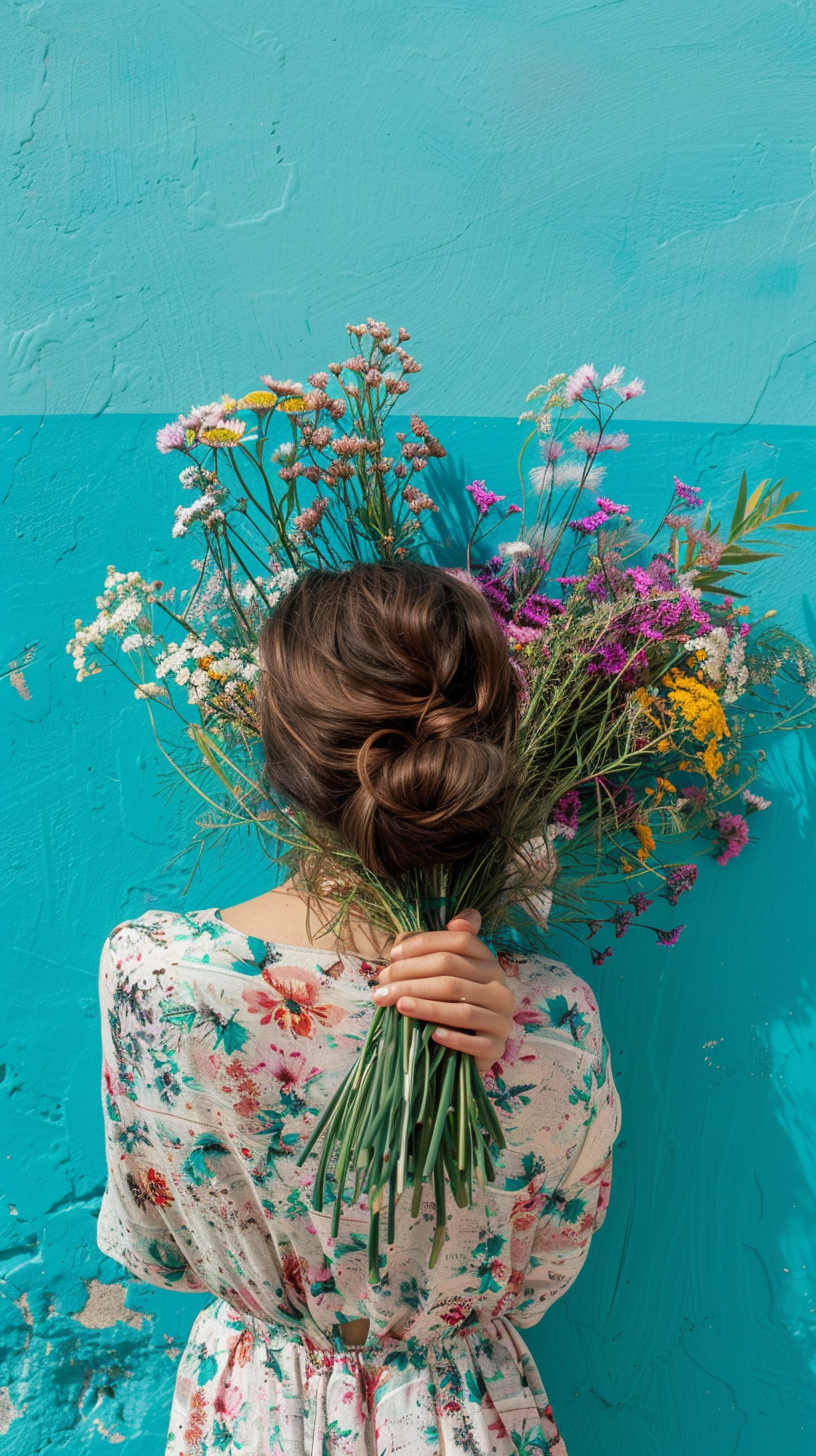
{"x": 644, "y": 688}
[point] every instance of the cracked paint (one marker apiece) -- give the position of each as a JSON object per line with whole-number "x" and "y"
{"x": 189, "y": 209}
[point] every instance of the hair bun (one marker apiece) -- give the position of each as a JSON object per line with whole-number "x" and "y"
{"x": 388, "y": 711}
{"x": 425, "y": 800}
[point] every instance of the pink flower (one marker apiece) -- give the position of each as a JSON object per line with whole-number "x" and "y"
{"x": 754, "y": 803}
{"x": 580, "y": 381}
{"x": 632, "y": 389}
{"x": 318, "y": 381}
{"x": 281, "y": 387}
{"x": 595, "y": 444}
{"x": 733, "y": 831}
{"x": 171, "y": 437}
{"x": 614, "y": 376}
{"x": 688, "y": 493}
{"x": 308, "y": 521}
{"x": 553, "y": 450}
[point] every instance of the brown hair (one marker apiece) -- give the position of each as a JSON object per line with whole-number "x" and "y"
{"x": 388, "y": 711}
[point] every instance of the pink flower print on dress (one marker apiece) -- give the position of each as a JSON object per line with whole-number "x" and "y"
{"x": 292, "y": 1001}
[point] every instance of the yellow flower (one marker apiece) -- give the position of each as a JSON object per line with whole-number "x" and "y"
{"x": 698, "y": 704}
{"x": 294, "y": 405}
{"x": 666, "y": 786}
{"x": 712, "y": 759}
{"x": 229, "y": 405}
{"x": 645, "y": 839}
{"x": 262, "y": 401}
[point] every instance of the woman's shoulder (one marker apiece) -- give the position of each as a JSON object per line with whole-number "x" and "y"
{"x": 163, "y": 937}
{"x": 552, "y": 1001}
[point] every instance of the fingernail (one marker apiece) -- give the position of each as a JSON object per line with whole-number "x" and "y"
{"x": 380, "y": 992}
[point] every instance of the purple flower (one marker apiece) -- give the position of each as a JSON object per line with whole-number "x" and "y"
{"x": 565, "y": 813}
{"x": 588, "y": 524}
{"x": 568, "y": 580}
{"x": 669, "y": 937}
{"x": 599, "y": 956}
{"x": 622, "y": 918}
{"x": 611, "y": 659}
{"x": 733, "y": 831}
{"x": 688, "y": 493}
{"x": 483, "y": 498}
{"x": 678, "y": 881}
{"x": 639, "y": 903}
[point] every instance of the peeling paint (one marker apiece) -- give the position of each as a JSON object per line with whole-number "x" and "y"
{"x": 8, "y": 1412}
{"x": 105, "y": 1305}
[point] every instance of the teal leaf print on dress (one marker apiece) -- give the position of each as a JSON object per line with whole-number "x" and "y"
{"x": 200, "y": 1163}
{"x": 169, "y": 1260}
{"x": 532, "y": 1167}
{"x": 562, "y": 1014}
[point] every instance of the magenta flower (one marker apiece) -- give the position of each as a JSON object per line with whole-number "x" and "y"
{"x": 669, "y": 937}
{"x": 483, "y": 498}
{"x": 733, "y": 831}
{"x": 679, "y": 880}
{"x": 688, "y": 493}
{"x": 640, "y": 579}
{"x": 587, "y": 525}
{"x": 610, "y": 507}
{"x": 599, "y": 956}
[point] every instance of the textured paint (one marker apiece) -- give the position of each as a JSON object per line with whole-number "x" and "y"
{"x": 543, "y": 181}
{"x": 215, "y": 186}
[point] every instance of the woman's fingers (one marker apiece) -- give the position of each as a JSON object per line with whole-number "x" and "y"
{"x": 447, "y": 960}
{"x": 426, "y": 942}
{"x": 442, "y": 991}
{"x": 461, "y": 1015}
{"x": 466, "y": 920}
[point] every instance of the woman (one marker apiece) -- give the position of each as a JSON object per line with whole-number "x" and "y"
{"x": 388, "y": 711}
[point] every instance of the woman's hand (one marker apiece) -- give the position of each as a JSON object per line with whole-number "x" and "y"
{"x": 450, "y": 977}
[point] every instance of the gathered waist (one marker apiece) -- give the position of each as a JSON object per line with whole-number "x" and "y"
{"x": 325, "y": 1347}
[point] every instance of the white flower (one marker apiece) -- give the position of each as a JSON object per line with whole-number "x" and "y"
{"x": 148, "y": 690}
{"x": 133, "y": 643}
{"x": 755, "y": 802}
{"x": 515, "y": 549}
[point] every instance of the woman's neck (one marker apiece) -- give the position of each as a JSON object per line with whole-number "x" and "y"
{"x": 281, "y": 914}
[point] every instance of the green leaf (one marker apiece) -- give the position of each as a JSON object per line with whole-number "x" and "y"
{"x": 739, "y": 508}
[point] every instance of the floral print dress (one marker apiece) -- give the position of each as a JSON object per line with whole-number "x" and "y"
{"x": 219, "y": 1053}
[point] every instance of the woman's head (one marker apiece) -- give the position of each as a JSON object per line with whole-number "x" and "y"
{"x": 388, "y": 711}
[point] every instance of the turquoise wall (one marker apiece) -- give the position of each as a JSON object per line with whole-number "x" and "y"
{"x": 201, "y": 192}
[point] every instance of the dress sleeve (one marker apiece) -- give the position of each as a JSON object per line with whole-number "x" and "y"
{"x": 136, "y": 1224}
{"x": 576, "y": 1207}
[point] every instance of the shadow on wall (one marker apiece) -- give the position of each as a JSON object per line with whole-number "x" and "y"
{"x": 691, "y": 1328}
